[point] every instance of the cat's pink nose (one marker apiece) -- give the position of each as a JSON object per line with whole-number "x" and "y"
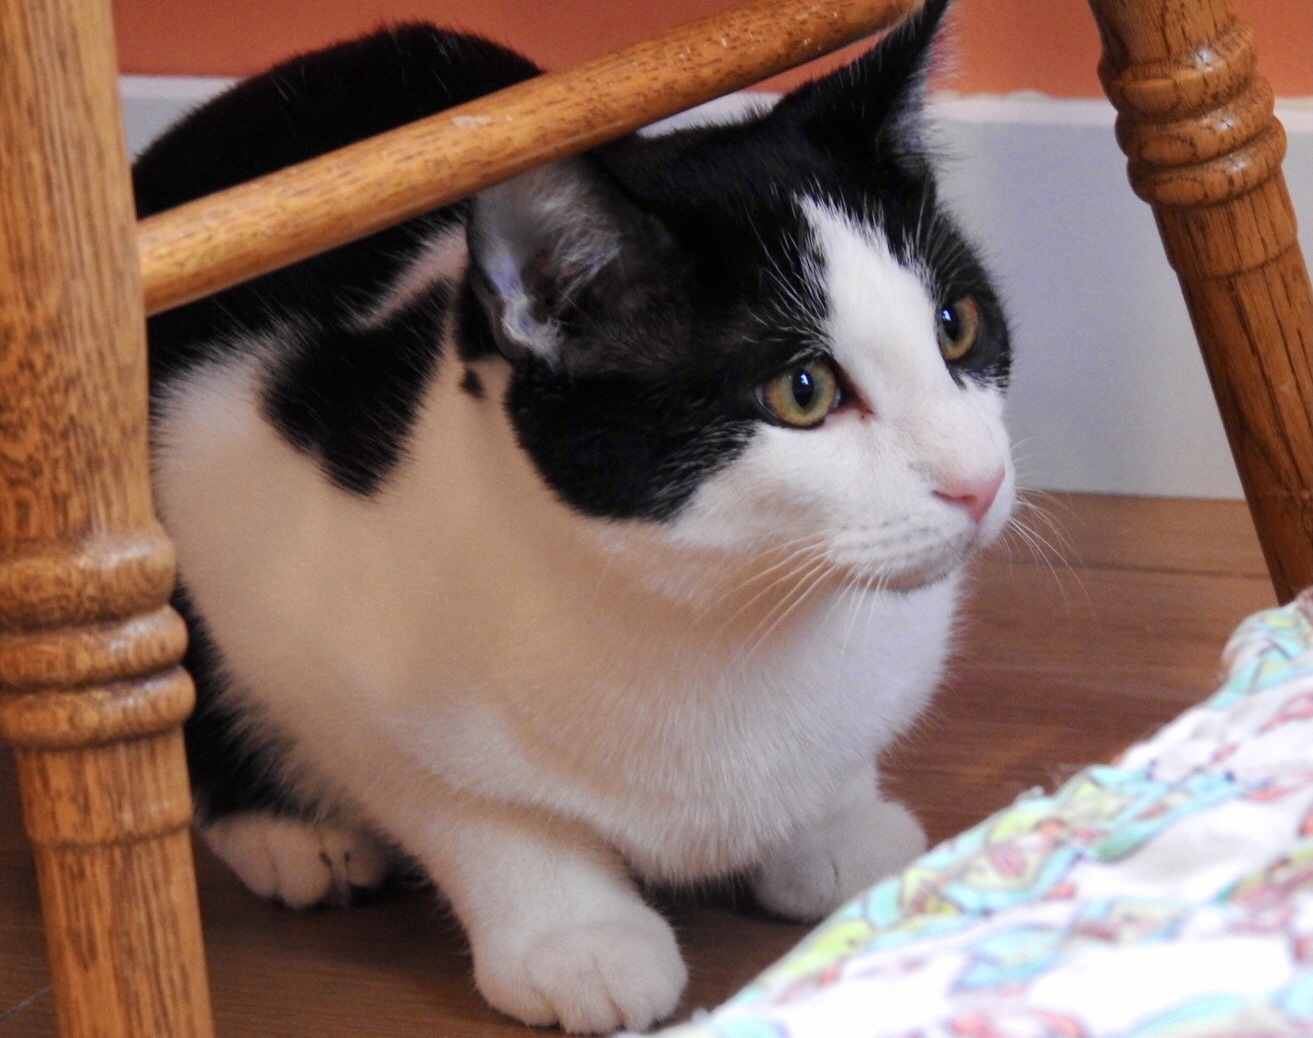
{"x": 974, "y": 495}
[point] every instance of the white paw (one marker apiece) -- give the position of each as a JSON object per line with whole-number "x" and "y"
{"x": 833, "y": 863}
{"x": 592, "y": 978}
{"x": 294, "y": 861}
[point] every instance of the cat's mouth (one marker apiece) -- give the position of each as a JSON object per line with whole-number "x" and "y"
{"x": 924, "y": 577}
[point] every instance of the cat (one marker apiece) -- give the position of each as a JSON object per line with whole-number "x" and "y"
{"x": 596, "y": 531}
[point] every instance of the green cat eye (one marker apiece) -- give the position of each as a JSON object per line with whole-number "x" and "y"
{"x": 957, "y": 326}
{"x": 802, "y": 396}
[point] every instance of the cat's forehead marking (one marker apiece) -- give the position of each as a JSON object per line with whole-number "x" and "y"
{"x": 879, "y": 310}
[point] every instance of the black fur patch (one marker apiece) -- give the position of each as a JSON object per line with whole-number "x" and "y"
{"x": 474, "y": 338}
{"x": 623, "y": 448}
{"x": 229, "y": 773}
{"x": 472, "y": 384}
{"x": 349, "y": 396}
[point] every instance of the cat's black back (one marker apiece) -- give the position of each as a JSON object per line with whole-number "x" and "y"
{"x": 300, "y": 109}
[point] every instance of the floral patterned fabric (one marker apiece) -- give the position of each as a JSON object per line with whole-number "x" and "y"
{"x": 1167, "y": 894}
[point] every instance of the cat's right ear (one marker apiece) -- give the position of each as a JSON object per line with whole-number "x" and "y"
{"x": 873, "y": 106}
{"x": 548, "y": 243}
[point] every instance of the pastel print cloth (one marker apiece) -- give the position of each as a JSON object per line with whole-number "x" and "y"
{"x": 1167, "y": 894}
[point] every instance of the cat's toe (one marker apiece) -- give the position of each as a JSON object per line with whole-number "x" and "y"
{"x": 358, "y": 862}
{"x": 820, "y": 871}
{"x": 589, "y": 979}
{"x": 297, "y": 862}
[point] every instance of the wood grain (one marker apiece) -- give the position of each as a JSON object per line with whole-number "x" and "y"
{"x": 90, "y": 692}
{"x": 1205, "y": 150}
{"x": 210, "y": 244}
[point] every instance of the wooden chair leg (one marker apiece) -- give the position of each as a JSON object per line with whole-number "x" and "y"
{"x": 1204, "y": 149}
{"x": 91, "y": 696}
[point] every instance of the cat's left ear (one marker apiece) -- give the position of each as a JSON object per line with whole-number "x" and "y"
{"x": 555, "y": 247}
{"x": 874, "y": 105}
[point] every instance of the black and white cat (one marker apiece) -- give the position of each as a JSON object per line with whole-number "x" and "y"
{"x": 599, "y": 529}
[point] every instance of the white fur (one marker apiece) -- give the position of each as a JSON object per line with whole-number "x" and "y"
{"x": 533, "y": 704}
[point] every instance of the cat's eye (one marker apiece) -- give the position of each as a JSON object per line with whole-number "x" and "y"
{"x": 803, "y": 395}
{"x": 957, "y": 326}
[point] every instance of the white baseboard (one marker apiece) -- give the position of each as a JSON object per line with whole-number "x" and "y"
{"x": 1109, "y": 393}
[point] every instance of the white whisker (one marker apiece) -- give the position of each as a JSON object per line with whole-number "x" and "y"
{"x": 1043, "y": 549}
{"x": 814, "y": 578}
{"x": 796, "y": 548}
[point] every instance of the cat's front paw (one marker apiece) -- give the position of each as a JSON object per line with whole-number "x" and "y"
{"x": 590, "y": 978}
{"x": 826, "y": 866}
{"x": 294, "y": 861}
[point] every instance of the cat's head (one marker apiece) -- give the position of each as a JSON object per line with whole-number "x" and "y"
{"x": 761, "y": 334}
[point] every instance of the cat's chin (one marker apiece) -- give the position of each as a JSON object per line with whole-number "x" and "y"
{"x": 908, "y": 581}
{"x": 918, "y": 580}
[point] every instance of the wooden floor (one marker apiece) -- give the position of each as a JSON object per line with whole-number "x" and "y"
{"x": 1064, "y": 659}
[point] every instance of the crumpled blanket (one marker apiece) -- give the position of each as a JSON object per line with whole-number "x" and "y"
{"x": 1169, "y": 893}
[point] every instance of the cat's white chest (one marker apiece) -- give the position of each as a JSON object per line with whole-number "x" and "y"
{"x": 689, "y": 763}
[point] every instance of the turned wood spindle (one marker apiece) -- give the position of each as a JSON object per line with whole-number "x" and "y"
{"x": 1204, "y": 148}
{"x": 91, "y": 696}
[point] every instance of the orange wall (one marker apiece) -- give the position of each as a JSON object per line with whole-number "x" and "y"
{"x": 1004, "y": 45}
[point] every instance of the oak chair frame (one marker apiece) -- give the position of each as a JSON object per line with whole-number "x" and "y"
{"x": 91, "y": 694}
